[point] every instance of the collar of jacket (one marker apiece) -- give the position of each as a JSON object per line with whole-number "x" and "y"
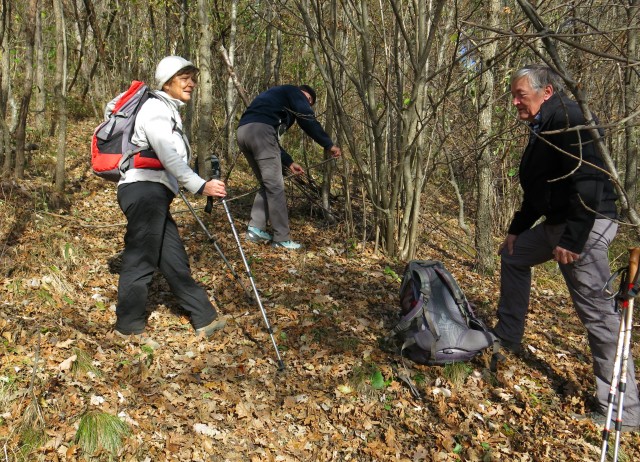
{"x": 172, "y": 102}
{"x": 551, "y": 106}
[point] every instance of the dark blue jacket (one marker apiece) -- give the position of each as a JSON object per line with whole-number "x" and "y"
{"x": 280, "y": 107}
{"x": 558, "y": 186}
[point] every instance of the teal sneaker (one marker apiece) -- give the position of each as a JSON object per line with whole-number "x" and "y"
{"x": 289, "y": 245}
{"x": 257, "y": 235}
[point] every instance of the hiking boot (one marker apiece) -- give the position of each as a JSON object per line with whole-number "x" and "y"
{"x": 600, "y": 419}
{"x": 138, "y": 339}
{"x": 289, "y": 245}
{"x": 257, "y": 235}
{"x": 210, "y": 329}
{"x": 513, "y": 347}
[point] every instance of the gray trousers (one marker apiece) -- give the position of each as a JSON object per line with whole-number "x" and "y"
{"x": 585, "y": 280}
{"x": 152, "y": 242}
{"x": 259, "y": 143}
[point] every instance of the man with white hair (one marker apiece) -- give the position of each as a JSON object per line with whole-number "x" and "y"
{"x": 561, "y": 179}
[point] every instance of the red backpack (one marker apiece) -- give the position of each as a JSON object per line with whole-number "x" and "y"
{"x": 111, "y": 147}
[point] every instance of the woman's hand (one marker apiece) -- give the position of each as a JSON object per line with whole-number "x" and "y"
{"x": 215, "y": 188}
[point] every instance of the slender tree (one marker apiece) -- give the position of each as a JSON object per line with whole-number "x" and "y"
{"x": 631, "y": 100}
{"x": 205, "y": 89}
{"x": 5, "y": 88}
{"x": 29, "y": 35}
{"x": 40, "y": 91}
{"x": 485, "y": 259}
{"x": 230, "y": 100}
{"x": 101, "y": 55}
{"x": 60, "y": 93}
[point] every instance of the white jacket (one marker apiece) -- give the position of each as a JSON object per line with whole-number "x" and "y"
{"x": 159, "y": 126}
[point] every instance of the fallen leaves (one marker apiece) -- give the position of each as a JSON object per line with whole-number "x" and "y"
{"x": 67, "y": 363}
{"x": 224, "y": 399}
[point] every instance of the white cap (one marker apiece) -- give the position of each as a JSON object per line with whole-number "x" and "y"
{"x": 169, "y": 67}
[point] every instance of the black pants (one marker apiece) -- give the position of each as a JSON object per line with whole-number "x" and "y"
{"x": 152, "y": 243}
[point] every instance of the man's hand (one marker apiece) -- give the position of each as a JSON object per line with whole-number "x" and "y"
{"x": 296, "y": 169}
{"x": 564, "y": 256}
{"x": 335, "y": 151}
{"x": 508, "y": 243}
{"x": 214, "y": 188}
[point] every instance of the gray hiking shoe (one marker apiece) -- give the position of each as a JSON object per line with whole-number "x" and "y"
{"x": 210, "y": 329}
{"x": 289, "y": 245}
{"x": 257, "y": 235}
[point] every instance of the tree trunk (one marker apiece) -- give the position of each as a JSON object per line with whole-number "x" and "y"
{"x": 5, "y": 88}
{"x": 80, "y": 32}
{"x": 631, "y": 83}
{"x": 234, "y": 78}
{"x": 60, "y": 93}
{"x": 267, "y": 55}
{"x": 99, "y": 42}
{"x": 40, "y": 96}
{"x": 230, "y": 100}
{"x": 485, "y": 258}
{"x": 29, "y": 34}
{"x": 415, "y": 148}
{"x": 205, "y": 89}
{"x": 277, "y": 64}
{"x": 185, "y": 51}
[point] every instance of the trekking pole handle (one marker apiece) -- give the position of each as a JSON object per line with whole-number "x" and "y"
{"x": 215, "y": 175}
{"x": 215, "y": 167}
{"x": 634, "y": 260}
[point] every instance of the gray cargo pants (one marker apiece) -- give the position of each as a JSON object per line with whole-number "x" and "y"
{"x": 259, "y": 144}
{"x": 585, "y": 280}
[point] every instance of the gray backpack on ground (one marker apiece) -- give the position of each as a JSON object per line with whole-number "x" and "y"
{"x": 437, "y": 324}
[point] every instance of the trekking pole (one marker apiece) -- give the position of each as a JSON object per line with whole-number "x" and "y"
{"x": 626, "y": 297}
{"x": 632, "y": 278}
{"x": 215, "y": 175}
{"x": 612, "y": 389}
{"x": 215, "y": 244}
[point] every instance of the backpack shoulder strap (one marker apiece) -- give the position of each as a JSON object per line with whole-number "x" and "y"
{"x": 421, "y": 294}
{"x": 408, "y": 320}
{"x": 133, "y": 89}
{"x": 459, "y": 297}
{"x": 420, "y": 269}
{"x": 419, "y": 316}
{"x": 423, "y": 277}
{"x": 451, "y": 283}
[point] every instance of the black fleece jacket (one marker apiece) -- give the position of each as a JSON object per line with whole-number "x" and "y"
{"x": 280, "y": 107}
{"x": 556, "y": 185}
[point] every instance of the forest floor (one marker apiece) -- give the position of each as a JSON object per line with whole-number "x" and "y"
{"x": 340, "y": 396}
